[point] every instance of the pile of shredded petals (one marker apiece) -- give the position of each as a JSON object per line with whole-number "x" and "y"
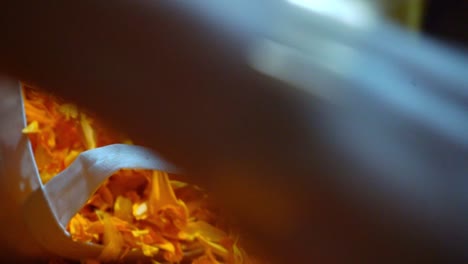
{"x": 160, "y": 215}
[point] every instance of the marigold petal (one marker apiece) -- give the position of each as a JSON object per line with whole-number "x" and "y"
{"x": 201, "y": 229}
{"x": 162, "y": 193}
{"x": 214, "y": 247}
{"x": 78, "y": 228}
{"x": 138, "y": 233}
{"x": 123, "y": 208}
{"x": 33, "y": 127}
{"x": 174, "y": 256}
{"x": 149, "y": 251}
{"x": 140, "y": 211}
{"x": 88, "y": 132}
{"x": 112, "y": 239}
{"x": 165, "y": 210}
{"x": 207, "y": 258}
{"x": 168, "y": 246}
{"x": 68, "y": 110}
{"x": 71, "y": 156}
{"x": 178, "y": 184}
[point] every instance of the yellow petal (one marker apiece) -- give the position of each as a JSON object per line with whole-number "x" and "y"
{"x": 162, "y": 193}
{"x": 78, "y": 228}
{"x": 50, "y": 136}
{"x": 123, "y": 208}
{"x": 214, "y": 247}
{"x": 238, "y": 254}
{"x": 45, "y": 176}
{"x": 138, "y": 233}
{"x": 149, "y": 251}
{"x": 33, "y": 127}
{"x": 68, "y": 110}
{"x": 88, "y": 132}
{"x": 71, "y": 156}
{"x": 201, "y": 229}
{"x": 168, "y": 246}
{"x": 112, "y": 239}
{"x": 207, "y": 258}
{"x": 178, "y": 184}
{"x": 140, "y": 211}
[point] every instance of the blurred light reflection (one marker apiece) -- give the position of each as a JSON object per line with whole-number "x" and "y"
{"x": 356, "y": 13}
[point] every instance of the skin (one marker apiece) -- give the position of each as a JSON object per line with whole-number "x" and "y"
{"x": 179, "y": 87}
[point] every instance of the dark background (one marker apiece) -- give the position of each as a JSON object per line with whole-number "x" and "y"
{"x": 447, "y": 20}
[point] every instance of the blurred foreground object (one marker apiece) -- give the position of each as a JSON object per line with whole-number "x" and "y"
{"x": 354, "y": 128}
